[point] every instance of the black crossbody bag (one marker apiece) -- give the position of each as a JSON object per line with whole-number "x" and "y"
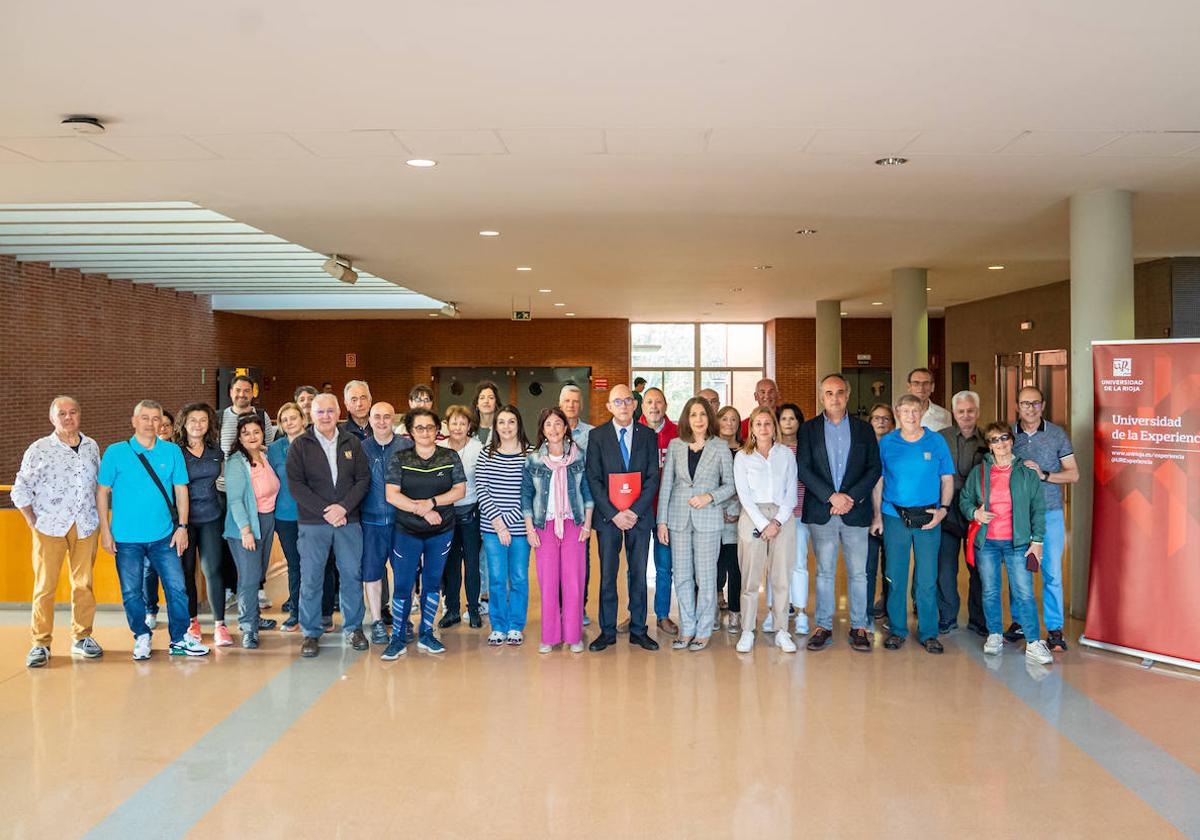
{"x": 157, "y": 483}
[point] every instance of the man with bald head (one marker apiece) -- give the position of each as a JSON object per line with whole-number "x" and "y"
{"x": 766, "y": 394}
{"x": 55, "y": 490}
{"x": 711, "y": 397}
{"x": 614, "y": 450}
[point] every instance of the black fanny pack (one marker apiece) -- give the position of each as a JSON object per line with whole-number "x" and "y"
{"x": 915, "y": 517}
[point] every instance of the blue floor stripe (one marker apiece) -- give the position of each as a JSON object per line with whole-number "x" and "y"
{"x": 172, "y": 802}
{"x": 1163, "y": 782}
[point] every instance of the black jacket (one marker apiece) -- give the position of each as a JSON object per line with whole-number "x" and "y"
{"x": 862, "y": 471}
{"x": 604, "y": 459}
{"x": 311, "y": 484}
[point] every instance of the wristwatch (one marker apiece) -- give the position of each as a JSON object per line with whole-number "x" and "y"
{"x": 181, "y": 525}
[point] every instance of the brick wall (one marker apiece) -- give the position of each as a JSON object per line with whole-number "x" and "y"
{"x": 394, "y": 355}
{"x": 108, "y": 343}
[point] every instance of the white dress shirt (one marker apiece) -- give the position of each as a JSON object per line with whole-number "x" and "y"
{"x": 628, "y": 436}
{"x": 936, "y": 418}
{"x": 330, "y": 447}
{"x": 766, "y": 481}
{"x": 60, "y": 485}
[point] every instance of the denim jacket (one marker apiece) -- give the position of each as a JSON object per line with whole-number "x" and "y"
{"x": 535, "y": 488}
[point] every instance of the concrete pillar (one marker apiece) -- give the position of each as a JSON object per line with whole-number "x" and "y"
{"x": 910, "y": 327}
{"x": 1101, "y": 309}
{"x": 829, "y": 341}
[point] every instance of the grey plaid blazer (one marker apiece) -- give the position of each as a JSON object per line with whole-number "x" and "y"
{"x": 714, "y": 474}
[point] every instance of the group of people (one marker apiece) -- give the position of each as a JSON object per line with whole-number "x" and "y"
{"x": 722, "y": 504}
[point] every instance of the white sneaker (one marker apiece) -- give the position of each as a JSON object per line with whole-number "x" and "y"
{"x": 769, "y": 623}
{"x": 151, "y": 620}
{"x": 1038, "y": 652}
{"x": 545, "y": 648}
{"x": 264, "y": 603}
{"x": 994, "y": 644}
{"x": 577, "y": 647}
{"x": 745, "y": 642}
{"x": 801, "y": 623}
{"x": 188, "y": 647}
{"x": 141, "y": 646}
{"x": 783, "y": 641}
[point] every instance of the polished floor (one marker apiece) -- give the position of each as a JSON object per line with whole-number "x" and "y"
{"x": 500, "y": 743}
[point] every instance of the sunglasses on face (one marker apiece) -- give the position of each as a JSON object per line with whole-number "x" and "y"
{"x": 999, "y": 438}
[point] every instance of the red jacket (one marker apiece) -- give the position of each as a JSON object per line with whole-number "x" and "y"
{"x": 666, "y": 434}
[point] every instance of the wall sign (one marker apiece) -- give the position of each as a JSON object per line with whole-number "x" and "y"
{"x": 351, "y": 360}
{"x": 600, "y": 383}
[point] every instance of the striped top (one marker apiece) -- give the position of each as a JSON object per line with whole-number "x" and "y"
{"x": 498, "y": 485}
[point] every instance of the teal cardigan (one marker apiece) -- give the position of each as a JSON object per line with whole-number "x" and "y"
{"x": 241, "y": 508}
{"x": 1029, "y": 502}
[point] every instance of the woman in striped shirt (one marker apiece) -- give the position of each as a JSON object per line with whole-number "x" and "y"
{"x": 498, "y": 475}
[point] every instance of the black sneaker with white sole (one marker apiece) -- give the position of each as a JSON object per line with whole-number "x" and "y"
{"x": 1055, "y": 640}
{"x": 1014, "y": 633}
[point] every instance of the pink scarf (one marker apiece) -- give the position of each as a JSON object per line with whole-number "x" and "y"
{"x": 558, "y": 486}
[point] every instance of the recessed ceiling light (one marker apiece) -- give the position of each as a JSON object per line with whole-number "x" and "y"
{"x": 421, "y": 163}
{"x": 545, "y": 291}
{"x": 928, "y": 289}
{"x": 569, "y": 314}
{"x": 891, "y": 161}
{"x": 489, "y": 233}
{"x": 806, "y": 231}
{"x": 995, "y": 268}
{"x": 877, "y": 303}
{"x": 524, "y": 268}
{"x": 763, "y": 267}
{"x": 560, "y": 304}
{"x": 83, "y": 125}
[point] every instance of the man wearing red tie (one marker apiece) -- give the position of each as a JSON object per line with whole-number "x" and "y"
{"x": 622, "y": 473}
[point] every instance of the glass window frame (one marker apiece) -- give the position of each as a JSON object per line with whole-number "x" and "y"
{"x": 696, "y": 369}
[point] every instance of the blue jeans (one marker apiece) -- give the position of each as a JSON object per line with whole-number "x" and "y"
{"x": 1052, "y": 592}
{"x": 161, "y": 555}
{"x": 994, "y": 555}
{"x": 151, "y": 586}
{"x": 314, "y": 543}
{"x": 899, "y": 544}
{"x": 853, "y": 542}
{"x": 408, "y": 552}
{"x": 662, "y": 577}
{"x": 508, "y": 582}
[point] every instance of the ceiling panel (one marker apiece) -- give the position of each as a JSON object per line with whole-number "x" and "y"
{"x": 482, "y": 141}
{"x": 197, "y": 248}
{"x": 960, "y": 142}
{"x": 877, "y": 143}
{"x": 351, "y": 144}
{"x": 1151, "y": 144}
{"x": 759, "y": 140}
{"x": 9, "y": 216}
{"x": 58, "y": 149}
{"x": 79, "y": 242}
{"x": 252, "y": 146}
{"x": 154, "y": 148}
{"x": 554, "y": 141}
{"x": 1060, "y": 143}
{"x": 656, "y": 141}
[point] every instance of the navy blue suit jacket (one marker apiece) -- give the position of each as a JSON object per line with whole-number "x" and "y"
{"x": 604, "y": 459}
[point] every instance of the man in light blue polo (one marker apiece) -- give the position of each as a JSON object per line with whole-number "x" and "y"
{"x": 143, "y": 481}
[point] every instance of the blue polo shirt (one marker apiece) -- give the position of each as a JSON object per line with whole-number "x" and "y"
{"x": 1048, "y": 444}
{"x": 912, "y": 472}
{"x": 139, "y": 512}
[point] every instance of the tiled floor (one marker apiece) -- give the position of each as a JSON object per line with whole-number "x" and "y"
{"x": 501, "y": 743}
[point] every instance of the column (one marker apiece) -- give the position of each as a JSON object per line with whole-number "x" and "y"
{"x": 910, "y": 325}
{"x": 829, "y": 341}
{"x": 1101, "y": 309}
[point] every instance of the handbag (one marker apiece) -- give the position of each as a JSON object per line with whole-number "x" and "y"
{"x": 157, "y": 483}
{"x": 915, "y": 517}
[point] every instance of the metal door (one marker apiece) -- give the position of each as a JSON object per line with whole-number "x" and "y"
{"x": 868, "y": 386}
{"x": 538, "y": 388}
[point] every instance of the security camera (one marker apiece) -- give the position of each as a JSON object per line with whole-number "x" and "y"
{"x": 339, "y": 268}
{"x": 450, "y": 310}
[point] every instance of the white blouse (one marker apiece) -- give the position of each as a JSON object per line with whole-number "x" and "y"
{"x": 469, "y": 455}
{"x": 766, "y": 481}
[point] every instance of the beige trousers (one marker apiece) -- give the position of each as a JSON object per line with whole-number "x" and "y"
{"x": 48, "y": 555}
{"x": 759, "y": 558}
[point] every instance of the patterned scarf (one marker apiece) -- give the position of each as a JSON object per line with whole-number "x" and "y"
{"x": 558, "y": 485}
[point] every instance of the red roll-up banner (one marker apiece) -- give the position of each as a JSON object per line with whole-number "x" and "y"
{"x": 1144, "y": 585}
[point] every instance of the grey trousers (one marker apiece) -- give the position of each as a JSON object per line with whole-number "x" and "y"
{"x": 251, "y": 566}
{"x": 694, "y": 566}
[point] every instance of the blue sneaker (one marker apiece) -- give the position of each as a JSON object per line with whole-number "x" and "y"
{"x": 396, "y": 648}
{"x": 429, "y": 643}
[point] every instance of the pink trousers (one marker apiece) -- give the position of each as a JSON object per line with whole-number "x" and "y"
{"x": 561, "y": 566}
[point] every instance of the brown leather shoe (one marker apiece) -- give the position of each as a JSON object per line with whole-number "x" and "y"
{"x": 358, "y": 640}
{"x": 668, "y": 626}
{"x": 623, "y": 627}
{"x": 821, "y": 638}
{"x": 310, "y": 648}
{"x": 860, "y": 641}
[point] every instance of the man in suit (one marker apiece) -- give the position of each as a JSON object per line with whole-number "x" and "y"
{"x": 837, "y": 458}
{"x": 623, "y": 446}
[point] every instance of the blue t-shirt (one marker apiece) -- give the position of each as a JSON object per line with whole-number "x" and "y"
{"x": 912, "y": 472}
{"x": 139, "y": 512}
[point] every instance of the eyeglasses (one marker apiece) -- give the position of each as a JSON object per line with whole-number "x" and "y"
{"x": 921, "y": 383}
{"x": 424, "y": 428}
{"x": 881, "y": 418}
{"x": 1030, "y": 403}
{"x": 999, "y": 438}
{"x": 624, "y": 401}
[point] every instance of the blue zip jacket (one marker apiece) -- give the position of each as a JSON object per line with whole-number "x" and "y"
{"x": 285, "y": 505}
{"x": 375, "y": 509}
{"x": 535, "y": 488}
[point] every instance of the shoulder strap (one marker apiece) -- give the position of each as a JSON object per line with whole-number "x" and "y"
{"x": 158, "y": 483}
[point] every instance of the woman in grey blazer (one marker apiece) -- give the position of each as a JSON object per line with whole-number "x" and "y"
{"x": 697, "y": 478}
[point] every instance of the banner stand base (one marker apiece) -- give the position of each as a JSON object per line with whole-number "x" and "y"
{"x": 1141, "y": 654}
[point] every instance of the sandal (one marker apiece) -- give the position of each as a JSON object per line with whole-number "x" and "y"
{"x": 698, "y": 644}
{"x": 681, "y": 644}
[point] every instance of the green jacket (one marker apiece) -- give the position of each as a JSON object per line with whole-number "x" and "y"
{"x": 1029, "y": 502}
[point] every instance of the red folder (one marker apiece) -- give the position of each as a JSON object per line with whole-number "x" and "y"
{"x": 624, "y": 489}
